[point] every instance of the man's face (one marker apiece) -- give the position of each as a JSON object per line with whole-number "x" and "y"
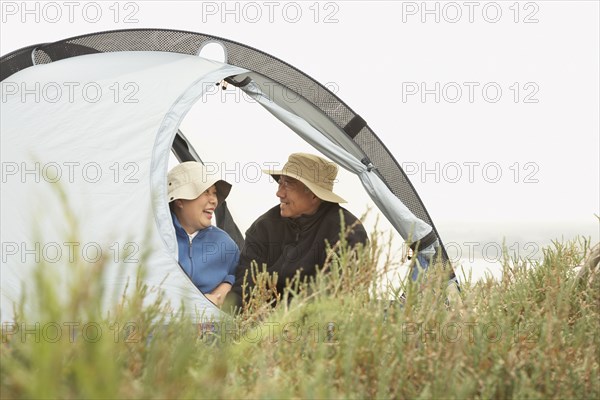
{"x": 197, "y": 214}
{"x": 295, "y": 198}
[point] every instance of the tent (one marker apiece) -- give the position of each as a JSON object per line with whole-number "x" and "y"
{"x": 99, "y": 115}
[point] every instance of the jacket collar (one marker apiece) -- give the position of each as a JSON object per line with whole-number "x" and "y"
{"x": 181, "y": 232}
{"x": 306, "y": 221}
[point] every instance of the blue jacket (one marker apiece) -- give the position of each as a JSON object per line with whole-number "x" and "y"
{"x": 209, "y": 259}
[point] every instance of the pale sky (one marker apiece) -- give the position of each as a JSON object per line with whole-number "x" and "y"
{"x": 491, "y": 107}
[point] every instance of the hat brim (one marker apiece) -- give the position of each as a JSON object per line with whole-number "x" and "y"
{"x": 318, "y": 191}
{"x": 195, "y": 188}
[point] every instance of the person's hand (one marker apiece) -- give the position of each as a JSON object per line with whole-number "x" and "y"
{"x": 217, "y": 296}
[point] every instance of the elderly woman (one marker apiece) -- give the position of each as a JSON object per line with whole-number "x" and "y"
{"x": 207, "y": 254}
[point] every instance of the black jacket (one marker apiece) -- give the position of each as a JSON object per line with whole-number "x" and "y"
{"x": 286, "y": 245}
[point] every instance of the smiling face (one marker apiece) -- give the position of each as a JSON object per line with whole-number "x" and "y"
{"x": 194, "y": 215}
{"x": 295, "y": 198}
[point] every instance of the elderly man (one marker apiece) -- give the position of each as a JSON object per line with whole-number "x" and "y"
{"x": 291, "y": 236}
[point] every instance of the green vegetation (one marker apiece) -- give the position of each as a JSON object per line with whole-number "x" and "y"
{"x": 532, "y": 334}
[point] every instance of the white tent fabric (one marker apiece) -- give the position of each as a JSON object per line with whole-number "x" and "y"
{"x": 100, "y": 127}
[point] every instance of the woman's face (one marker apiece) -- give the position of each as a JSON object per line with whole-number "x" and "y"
{"x": 197, "y": 214}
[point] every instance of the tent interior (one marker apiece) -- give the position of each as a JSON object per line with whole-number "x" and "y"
{"x": 263, "y": 142}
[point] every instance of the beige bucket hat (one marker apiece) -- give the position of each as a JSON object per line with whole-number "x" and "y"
{"x": 315, "y": 172}
{"x": 189, "y": 180}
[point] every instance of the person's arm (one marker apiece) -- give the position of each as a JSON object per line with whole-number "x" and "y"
{"x": 357, "y": 235}
{"x": 218, "y": 294}
{"x": 252, "y": 250}
{"x": 233, "y": 264}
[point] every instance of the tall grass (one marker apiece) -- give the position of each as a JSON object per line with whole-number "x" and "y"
{"x": 532, "y": 334}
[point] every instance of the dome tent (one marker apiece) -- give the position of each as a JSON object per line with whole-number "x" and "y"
{"x": 116, "y": 151}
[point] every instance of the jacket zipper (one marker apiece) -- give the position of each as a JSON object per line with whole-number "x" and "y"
{"x": 296, "y": 228}
{"x": 191, "y": 258}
